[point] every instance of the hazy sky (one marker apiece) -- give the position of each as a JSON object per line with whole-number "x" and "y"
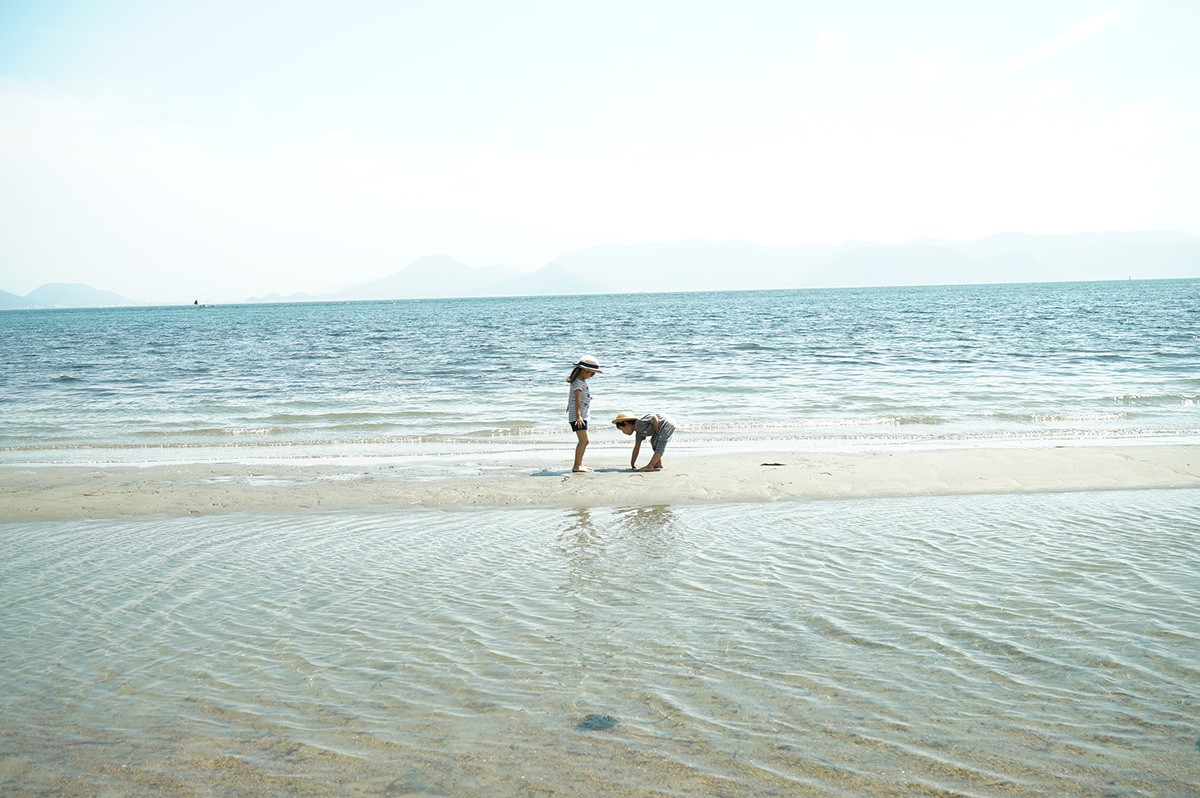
{"x": 228, "y": 148}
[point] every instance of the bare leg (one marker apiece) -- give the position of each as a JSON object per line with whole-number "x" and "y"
{"x": 579, "y": 449}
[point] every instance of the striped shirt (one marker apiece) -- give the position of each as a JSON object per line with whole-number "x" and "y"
{"x": 585, "y": 397}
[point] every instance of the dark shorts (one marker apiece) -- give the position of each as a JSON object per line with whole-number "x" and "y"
{"x": 576, "y": 427}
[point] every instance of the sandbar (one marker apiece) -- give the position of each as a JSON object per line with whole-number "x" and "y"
{"x": 66, "y": 492}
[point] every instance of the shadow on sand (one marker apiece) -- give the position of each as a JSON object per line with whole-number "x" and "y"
{"x": 566, "y": 472}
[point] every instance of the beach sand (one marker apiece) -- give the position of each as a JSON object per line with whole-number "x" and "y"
{"x": 174, "y": 490}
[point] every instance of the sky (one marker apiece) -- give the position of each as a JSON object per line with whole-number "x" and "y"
{"x": 231, "y": 148}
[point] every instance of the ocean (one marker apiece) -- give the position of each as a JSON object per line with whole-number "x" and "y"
{"x": 952, "y": 365}
{"x": 1020, "y": 644}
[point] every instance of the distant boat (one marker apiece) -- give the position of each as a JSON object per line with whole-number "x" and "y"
{"x": 199, "y": 304}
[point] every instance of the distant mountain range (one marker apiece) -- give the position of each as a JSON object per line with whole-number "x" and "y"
{"x": 738, "y": 265}
{"x": 64, "y": 295}
{"x": 438, "y": 276}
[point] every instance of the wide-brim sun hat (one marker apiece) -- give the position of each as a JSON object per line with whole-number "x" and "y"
{"x": 590, "y": 363}
{"x": 624, "y": 418}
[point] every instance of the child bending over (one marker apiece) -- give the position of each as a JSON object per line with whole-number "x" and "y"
{"x": 655, "y": 426}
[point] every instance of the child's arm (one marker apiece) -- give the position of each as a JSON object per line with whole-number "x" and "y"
{"x": 637, "y": 444}
{"x": 578, "y": 406}
{"x": 655, "y": 457}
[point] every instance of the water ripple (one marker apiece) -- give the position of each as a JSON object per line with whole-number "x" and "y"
{"x": 970, "y": 645}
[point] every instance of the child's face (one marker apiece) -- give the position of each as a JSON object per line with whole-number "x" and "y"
{"x": 586, "y": 374}
{"x": 626, "y": 427}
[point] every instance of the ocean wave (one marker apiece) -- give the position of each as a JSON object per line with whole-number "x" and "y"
{"x": 519, "y": 432}
{"x": 1185, "y": 399}
{"x": 538, "y": 440}
{"x": 348, "y": 415}
{"x": 1056, "y": 435}
{"x": 822, "y": 423}
{"x": 1059, "y": 418}
{"x": 213, "y": 431}
{"x": 415, "y": 440}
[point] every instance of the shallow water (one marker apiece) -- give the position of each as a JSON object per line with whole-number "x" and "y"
{"x": 975, "y": 645}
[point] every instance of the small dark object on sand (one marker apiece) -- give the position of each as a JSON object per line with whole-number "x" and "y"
{"x": 773, "y": 464}
{"x": 596, "y": 722}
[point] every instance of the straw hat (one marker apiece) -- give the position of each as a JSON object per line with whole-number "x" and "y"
{"x": 623, "y": 418}
{"x": 590, "y": 363}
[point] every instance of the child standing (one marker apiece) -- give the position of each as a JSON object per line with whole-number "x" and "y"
{"x": 578, "y": 403}
{"x": 655, "y": 426}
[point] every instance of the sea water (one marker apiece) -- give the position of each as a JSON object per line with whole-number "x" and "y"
{"x": 975, "y": 645}
{"x": 948, "y": 365}
{"x": 1019, "y": 645}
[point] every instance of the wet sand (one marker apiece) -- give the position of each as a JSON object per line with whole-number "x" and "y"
{"x": 173, "y": 490}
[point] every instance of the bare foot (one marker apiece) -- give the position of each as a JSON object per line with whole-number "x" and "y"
{"x": 581, "y": 470}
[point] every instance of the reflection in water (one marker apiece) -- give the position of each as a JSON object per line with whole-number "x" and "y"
{"x": 581, "y": 544}
{"x": 654, "y": 523}
{"x": 608, "y": 551}
{"x": 580, "y": 524}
